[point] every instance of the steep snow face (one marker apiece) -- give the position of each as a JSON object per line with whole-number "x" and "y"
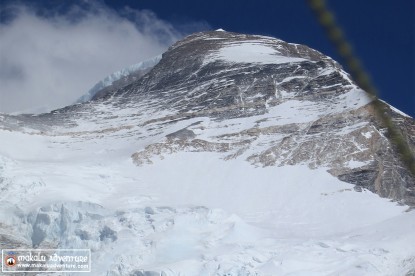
{"x": 143, "y": 66}
{"x": 236, "y": 166}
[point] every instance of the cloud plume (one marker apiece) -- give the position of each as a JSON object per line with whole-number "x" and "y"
{"x": 48, "y": 61}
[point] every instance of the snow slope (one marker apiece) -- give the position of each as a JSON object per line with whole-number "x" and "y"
{"x": 197, "y": 214}
{"x": 250, "y": 52}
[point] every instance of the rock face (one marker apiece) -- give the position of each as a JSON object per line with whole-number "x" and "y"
{"x": 276, "y": 132}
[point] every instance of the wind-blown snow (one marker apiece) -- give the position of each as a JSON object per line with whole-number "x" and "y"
{"x": 250, "y": 52}
{"x": 107, "y": 81}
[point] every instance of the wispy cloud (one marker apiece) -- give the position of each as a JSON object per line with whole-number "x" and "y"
{"x": 47, "y": 61}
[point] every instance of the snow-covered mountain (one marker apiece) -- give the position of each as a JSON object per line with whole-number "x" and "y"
{"x": 234, "y": 155}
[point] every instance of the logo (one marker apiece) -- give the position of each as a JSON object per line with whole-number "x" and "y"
{"x": 10, "y": 261}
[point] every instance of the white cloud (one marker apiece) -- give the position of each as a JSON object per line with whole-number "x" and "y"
{"x": 49, "y": 61}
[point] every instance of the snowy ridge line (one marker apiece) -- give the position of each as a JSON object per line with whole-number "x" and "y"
{"x": 395, "y": 109}
{"x": 98, "y": 131}
{"x": 74, "y": 133}
{"x": 187, "y": 115}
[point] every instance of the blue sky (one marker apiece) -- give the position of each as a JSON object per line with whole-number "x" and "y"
{"x": 382, "y": 32}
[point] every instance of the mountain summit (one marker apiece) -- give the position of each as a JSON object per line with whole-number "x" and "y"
{"x": 233, "y": 154}
{"x": 303, "y": 99}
